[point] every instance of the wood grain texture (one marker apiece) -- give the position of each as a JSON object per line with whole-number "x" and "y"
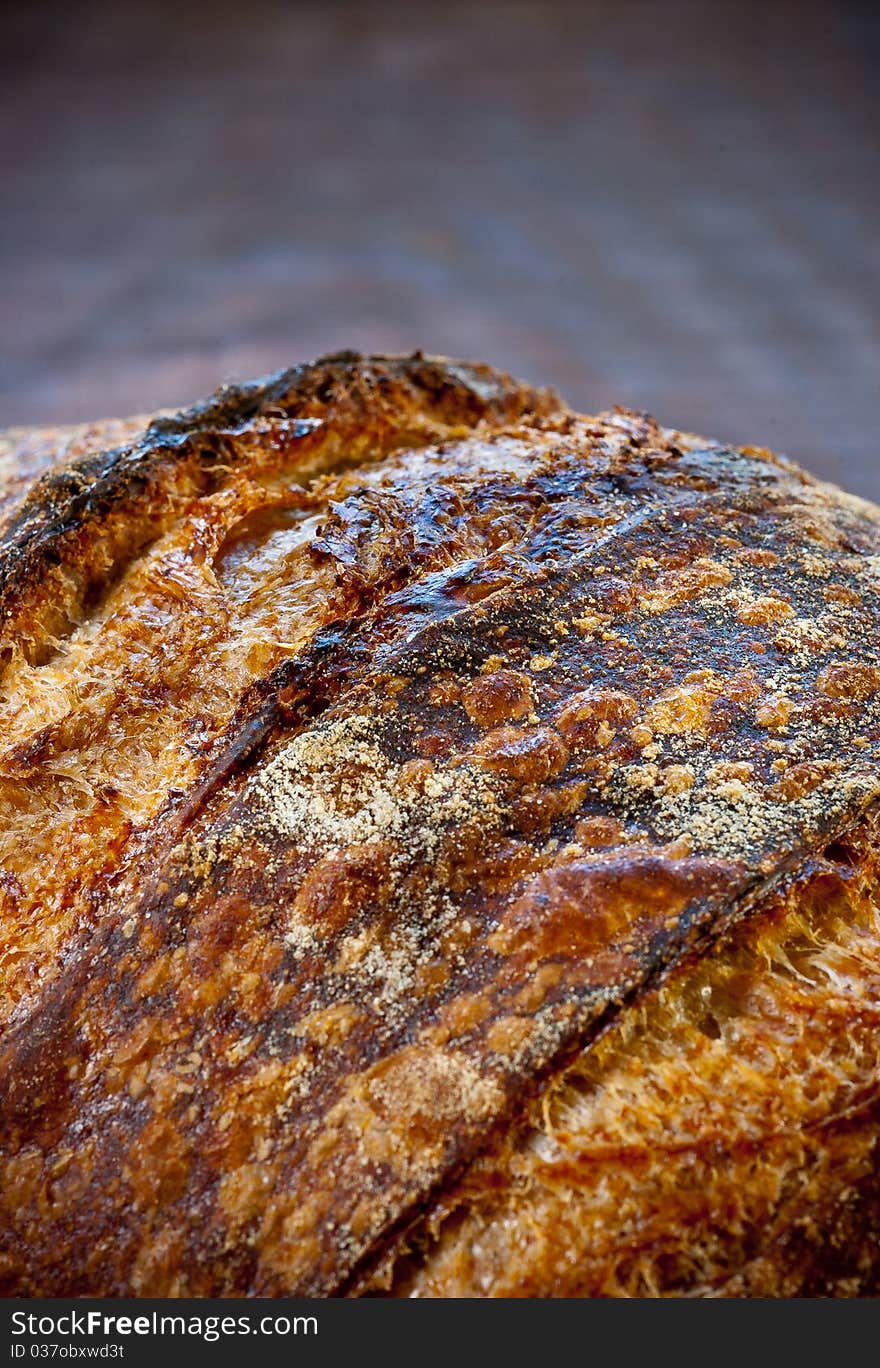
{"x": 668, "y": 205}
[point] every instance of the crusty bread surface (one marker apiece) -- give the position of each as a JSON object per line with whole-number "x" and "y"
{"x": 438, "y": 852}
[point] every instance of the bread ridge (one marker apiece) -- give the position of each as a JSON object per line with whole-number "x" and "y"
{"x": 374, "y": 402}
{"x": 719, "y": 1141}
{"x": 446, "y": 674}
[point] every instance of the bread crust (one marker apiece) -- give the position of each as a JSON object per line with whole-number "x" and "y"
{"x": 385, "y": 735}
{"x": 719, "y": 1141}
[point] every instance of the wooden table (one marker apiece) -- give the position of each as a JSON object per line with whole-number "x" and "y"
{"x": 670, "y": 205}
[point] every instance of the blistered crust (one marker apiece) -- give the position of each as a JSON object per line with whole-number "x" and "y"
{"x": 377, "y": 736}
{"x": 721, "y": 1140}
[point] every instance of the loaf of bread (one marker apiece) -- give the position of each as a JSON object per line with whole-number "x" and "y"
{"x": 438, "y": 852}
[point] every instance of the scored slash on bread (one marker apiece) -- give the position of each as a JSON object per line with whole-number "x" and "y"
{"x": 432, "y": 823}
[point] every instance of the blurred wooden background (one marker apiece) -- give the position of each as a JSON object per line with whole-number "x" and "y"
{"x": 673, "y": 205}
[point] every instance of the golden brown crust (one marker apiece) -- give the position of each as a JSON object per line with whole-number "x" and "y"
{"x": 457, "y": 721}
{"x": 721, "y": 1140}
{"x": 27, "y": 453}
